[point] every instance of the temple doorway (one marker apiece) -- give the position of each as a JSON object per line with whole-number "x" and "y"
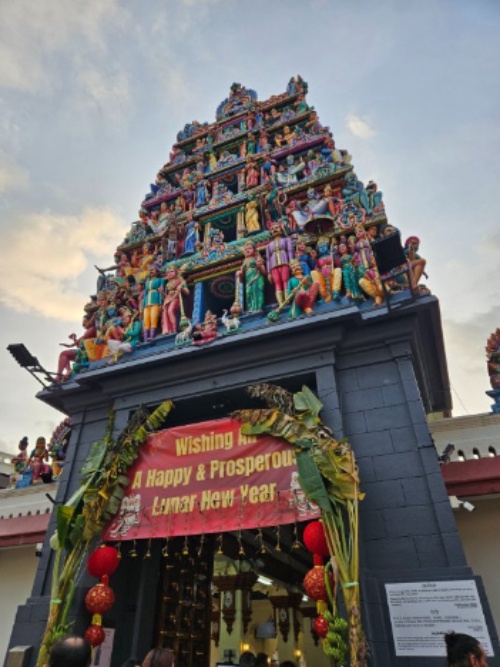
{"x": 220, "y": 595}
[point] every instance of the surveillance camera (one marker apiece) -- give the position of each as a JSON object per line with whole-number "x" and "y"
{"x": 39, "y": 549}
{"x": 446, "y": 455}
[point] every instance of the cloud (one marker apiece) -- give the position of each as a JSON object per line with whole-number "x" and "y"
{"x": 47, "y": 253}
{"x": 32, "y": 32}
{"x": 465, "y": 351}
{"x": 106, "y": 92}
{"x": 359, "y": 127}
{"x": 12, "y": 176}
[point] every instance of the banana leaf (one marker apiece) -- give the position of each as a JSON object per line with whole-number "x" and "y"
{"x": 65, "y": 515}
{"x": 311, "y": 482}
{"x": 308, "y": 405}
{"x": 95, "y": 458}
{"x": 76, "y": 532}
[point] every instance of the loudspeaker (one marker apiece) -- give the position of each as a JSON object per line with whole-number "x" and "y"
{"x": 389, "y": 253}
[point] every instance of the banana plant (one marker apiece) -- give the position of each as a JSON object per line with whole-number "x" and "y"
{"x": 82, "y": 519}
{"x": 329, "y": 477}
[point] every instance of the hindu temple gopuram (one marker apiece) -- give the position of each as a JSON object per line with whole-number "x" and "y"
{"x": 250, "y": 467}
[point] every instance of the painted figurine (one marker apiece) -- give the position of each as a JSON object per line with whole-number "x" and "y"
{"x": 416, "y": 262}
{"x": 42, "y": 471}
{"x": 207, "y": 331}
{"x": 191, "y": 237}
{"x": 19, "y": 461}
{"x": 151, "y": 303}
{"x": 128, "y": 339}
{"x": 68, "y": 356}
{"x": 303, "y": 289}
{"x": 252, "y": 224}
{"x": 175, "y": 288}
{"x": 252, "y": 274}
{"x": 252, "y": 173}
{"x": 354, "y": 192}
{"x": 279, "y": 253}
{"x": 330, "y": 273}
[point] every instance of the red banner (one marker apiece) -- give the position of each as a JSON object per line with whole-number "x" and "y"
{"x": 207, "y": 478}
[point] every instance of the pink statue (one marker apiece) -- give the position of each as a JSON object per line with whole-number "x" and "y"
{"x": 174, "y": 289}
{"x": 207, "y": 331}
{"x": 67, "y": 356}
{"x": 252, "y": 173}
{"x": 38, "y": 461}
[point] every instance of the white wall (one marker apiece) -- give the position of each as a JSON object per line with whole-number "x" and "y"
{"x": 480, "y": 535}
{"x": 17, "y": 571}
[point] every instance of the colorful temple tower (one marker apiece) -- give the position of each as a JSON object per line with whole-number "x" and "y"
{"x": 259, "y": 260}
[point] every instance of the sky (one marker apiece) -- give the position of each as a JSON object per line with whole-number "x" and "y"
{"x": 92, "y": 95}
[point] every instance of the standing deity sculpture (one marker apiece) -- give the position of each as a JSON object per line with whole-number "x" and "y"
{"x": 151, "y": 303}
{"x": 252, "y": 275}
{"x": 279, "y": 253}
{"x": 175, "y": 289}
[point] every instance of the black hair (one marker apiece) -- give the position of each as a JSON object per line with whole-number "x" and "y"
{"x": 459, "y": 647}
{"x": 247, "y": 659}
{"x": 159, "y": 657}
{"x": 71, "y": 651}
{"x": 261, "y": 660}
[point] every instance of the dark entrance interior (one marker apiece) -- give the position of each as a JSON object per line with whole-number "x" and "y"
{"x": 185, "y": 592}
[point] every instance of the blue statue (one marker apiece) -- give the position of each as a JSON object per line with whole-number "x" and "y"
{"x": 354, "y": 192}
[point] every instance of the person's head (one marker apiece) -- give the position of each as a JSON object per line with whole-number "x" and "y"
{"x": 261, "y": 660}
{"x": 159, "y": 657}
{"x": 247, "y": 659}
{"x": 40, "y": 442}
{"x": 276, "y": 229}
{"x": 359, "y": 230}
{"x": 70, "y": 652}
{"x": 412, "y": 242}
{"x": 249, "y": 249}
{"x": 296, "y": 268}
{"x": 23, "y": 443}
{"x": 464, "y": 651}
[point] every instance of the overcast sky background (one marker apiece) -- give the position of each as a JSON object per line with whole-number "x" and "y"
{"x": 93, "y": 93}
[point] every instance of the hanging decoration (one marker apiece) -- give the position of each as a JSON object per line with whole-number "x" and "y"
{"x": 83, "y": 517}
{"x": 95, "y": 634}
{"x": 318, "y": 582}
{"x": 315, "y": 539}
{"x": 103, "y": 561}
{"x": 328, "y": 475}
{"x": 99, "y": 599}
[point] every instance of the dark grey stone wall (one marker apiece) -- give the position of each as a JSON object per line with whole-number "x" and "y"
{"x": 376, "y": 376}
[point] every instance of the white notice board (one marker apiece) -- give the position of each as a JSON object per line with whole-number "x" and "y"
{"x": 102, "y": 654}
{"x": 422, "y": 612}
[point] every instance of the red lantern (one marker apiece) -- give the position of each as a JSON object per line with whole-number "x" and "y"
{"x": 314, "y": 583}
{"x": 314, "y": 538}
{"x": 103, "y": 560}
{"x": 320, "y": 626}
{"x": 95, "y": 635}
{"x": 99, "y": 599}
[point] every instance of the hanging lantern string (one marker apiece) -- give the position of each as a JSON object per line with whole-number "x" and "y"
{"x": 164, "y": 551}
{"x": 147, "y": 555}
